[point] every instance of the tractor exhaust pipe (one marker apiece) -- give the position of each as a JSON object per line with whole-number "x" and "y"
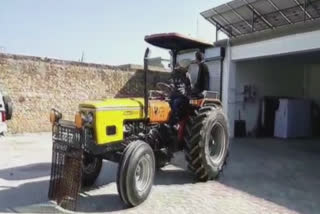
{"x": 145, "y": 61}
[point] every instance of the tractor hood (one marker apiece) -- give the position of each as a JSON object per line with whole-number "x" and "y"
{"x": 114, "y": 104}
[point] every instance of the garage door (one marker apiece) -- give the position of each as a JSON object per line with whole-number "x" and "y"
{"x": 279, "y": 88}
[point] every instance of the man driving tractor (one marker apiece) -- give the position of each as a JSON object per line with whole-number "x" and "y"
{"x": 181, "y": 85}
{"x": 180, "y": 82}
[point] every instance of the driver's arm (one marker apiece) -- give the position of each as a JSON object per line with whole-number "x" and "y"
{"x": 171, "y": 83}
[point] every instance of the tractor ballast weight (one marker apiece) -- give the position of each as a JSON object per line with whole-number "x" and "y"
{"x": 66, "y": 167}
{"x": 134, "y": 132}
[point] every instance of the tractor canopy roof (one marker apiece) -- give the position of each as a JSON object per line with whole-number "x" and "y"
{"x": 175, "y": 41}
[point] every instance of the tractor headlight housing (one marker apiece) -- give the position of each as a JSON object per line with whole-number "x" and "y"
{"x": 89, "y": 118}
{"x": 78, "y": 120}
{"x": 55, "y": 116}
{"x": 83, "y": 119}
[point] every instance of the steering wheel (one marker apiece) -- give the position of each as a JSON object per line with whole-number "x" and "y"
{"x": 166, "y": 88}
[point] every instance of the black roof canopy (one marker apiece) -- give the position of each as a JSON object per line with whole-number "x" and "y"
{"x": 240, "y": 17}
{"x": 176, "y": 41}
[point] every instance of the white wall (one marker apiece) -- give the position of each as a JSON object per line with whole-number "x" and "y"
{"x": 229, "y": 87}
{"x": 271, "y": 78}
{"x": 294, "y": 43}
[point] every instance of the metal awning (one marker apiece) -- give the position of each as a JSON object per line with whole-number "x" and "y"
{"x": 240, "y": 17}
{"x": 176, "y": 41}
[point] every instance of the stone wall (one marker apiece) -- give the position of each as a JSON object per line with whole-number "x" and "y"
{"x": 36, "y": 85}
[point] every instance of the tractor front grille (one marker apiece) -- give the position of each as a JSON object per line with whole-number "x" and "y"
{"x": 66, "y": 167}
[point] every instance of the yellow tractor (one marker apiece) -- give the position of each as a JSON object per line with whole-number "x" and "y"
{"x": 134, "y": 132}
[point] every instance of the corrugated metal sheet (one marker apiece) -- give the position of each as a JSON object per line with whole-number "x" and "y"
{"x": 240, "y": 17}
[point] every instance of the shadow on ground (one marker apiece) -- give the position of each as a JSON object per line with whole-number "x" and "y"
{"x": 30, "y": 197}
{"x": 170, "y": 175}
{"x": 29, "y": 171}
{"x": 173, "y": 177}
{"x": 13, "y": 198}
{"x": 283, "y": 172}
{"x": 100, "y": 203}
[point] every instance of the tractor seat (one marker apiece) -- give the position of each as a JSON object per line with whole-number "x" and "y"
{"x": 211, "y": 94}
{"x": 206, "y": 95}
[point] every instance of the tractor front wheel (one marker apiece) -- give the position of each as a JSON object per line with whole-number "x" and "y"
{"x": 90, "y": 170}
{"x": 136, "y": 173}
{"x": 207, "y": 143}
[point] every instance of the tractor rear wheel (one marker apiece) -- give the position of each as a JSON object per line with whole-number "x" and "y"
{"x": 207, "y": 143}
{"x": 90, "y": 170}
{"x": 136, "y": 173}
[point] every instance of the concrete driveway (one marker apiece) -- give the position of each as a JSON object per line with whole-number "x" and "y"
{"x": 262, "y": 176}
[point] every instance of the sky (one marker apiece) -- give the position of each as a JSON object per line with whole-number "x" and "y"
{"x": 107, "y": 32}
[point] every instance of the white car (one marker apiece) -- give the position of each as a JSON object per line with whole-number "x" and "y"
{"x": 5, "y": 112}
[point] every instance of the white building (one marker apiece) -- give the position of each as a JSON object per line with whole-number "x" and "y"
{"x": 273, "y": 50}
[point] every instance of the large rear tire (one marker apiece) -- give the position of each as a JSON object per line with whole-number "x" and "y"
{"x": 136, "y": 173}
{"x": 90, "y": 170}
{"x": 207, "y": 143}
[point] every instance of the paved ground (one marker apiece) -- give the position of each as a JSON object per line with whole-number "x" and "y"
{"x": 263, "y": 176}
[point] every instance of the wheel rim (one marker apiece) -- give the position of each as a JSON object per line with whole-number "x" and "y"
{"x": 217, "y": 143}
{"x": 143, "y": 174}
{"x": 89, "y": 164}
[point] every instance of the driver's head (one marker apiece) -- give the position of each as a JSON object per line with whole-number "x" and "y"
{"x": 199, "y": 57}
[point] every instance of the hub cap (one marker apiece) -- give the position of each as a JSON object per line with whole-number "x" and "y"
{"x": 217, "y": 143}
{"x": 143, "y": 173}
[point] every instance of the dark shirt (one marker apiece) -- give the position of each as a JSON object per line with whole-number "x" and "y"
{"x": 181, "y": 83}
{"x": 202, "y": 83}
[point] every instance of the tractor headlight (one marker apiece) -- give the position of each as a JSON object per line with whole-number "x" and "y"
{"x": 55, "y": 116}
{"x": 89, "y": 118}
{"x": 82, "y": 119}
